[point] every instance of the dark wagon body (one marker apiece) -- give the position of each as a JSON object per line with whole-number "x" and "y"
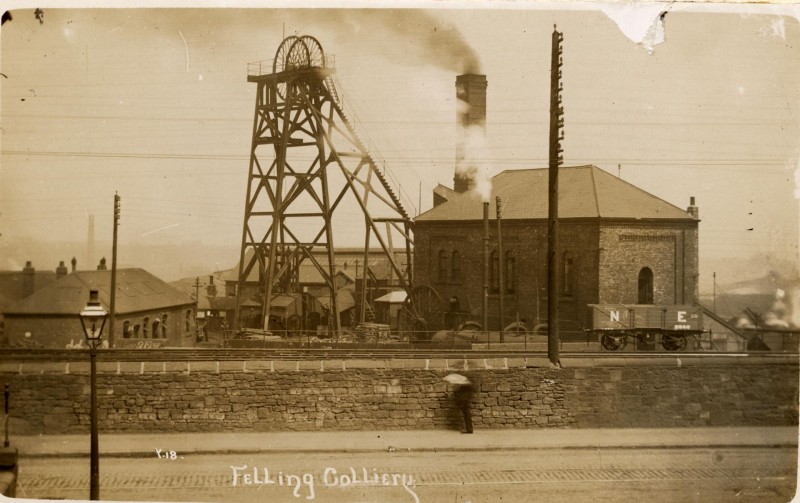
{"x": 615, "y": 324}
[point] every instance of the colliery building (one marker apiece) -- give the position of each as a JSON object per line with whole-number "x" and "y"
{"x": 617, "y": 244}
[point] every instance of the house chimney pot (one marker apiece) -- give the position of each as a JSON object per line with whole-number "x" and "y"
{"x": 61, "y": 270}
{"x": 693, "y": 210}
{"x": 211, "y": 288}
{"x": 74, "y": 264}
{"x": 102, "y": 265}
{"x": 28, "y": 278}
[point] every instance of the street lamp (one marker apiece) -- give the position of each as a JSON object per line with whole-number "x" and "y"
{"x": 93, "y": 319}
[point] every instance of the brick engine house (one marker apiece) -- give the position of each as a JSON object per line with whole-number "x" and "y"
{"x": 617, "y": 243}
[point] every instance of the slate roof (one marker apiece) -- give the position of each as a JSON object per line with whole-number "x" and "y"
{"x": 444, "y": 192}
{"x": 12, "y": 286}
{"x": 137, "y": 290}
{"x": 584, "y": 192}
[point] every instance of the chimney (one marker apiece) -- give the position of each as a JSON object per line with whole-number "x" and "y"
{"x": 471, "y": 102}
{"x": 692, "y": 209}
{"x": 102, "y": 265}
{"x": 90, "y": 241}
{"x": 28, "y": 277}
{"x": 211, "y": 289}
{"x": 74, "y": 264}
{"x": 61, "y": 270}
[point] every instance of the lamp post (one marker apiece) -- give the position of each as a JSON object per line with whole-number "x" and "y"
{"x": 93, "y": 319}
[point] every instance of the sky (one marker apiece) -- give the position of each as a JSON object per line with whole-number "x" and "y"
{"x": 154, "y": 104}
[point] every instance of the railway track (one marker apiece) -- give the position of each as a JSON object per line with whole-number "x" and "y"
{"x": 190, "y": 354}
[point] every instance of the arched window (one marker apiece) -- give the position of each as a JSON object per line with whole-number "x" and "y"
{"x": 164, "y": 318}
{"x": 145, "y": 327}
{"x": 511, "y": 271}
{"x": 442, "y": 265}
{"x": 455, "y": 267}
{"x": 156, "y": 329}
{"x": 126, "y": 329}
{"x": 494, "y": 271}
{"x": 567, "y": 276}
{"x": 136, "y": 329}
{"x": 645, "y": 286}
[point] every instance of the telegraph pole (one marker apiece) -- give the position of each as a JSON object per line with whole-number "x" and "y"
{"x": 714, "y": 298}
{"x": 196, "y": 305}
{"x": 556, "y": 159}
{"x": 500, "y": 269}
{"x": 485, "y": 297}
{"x": 113, "y": 301}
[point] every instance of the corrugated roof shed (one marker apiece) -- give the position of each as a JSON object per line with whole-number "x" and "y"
{"x": 584, "y": 192}
{"x": 137, "y": 290}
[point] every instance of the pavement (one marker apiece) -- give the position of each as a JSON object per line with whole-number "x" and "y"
{"x": 145, "y": 444}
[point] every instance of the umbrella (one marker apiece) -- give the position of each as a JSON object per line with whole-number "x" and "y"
{"x": 456, "y": 379}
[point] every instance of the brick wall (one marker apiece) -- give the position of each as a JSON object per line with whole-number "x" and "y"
{"x": 528, "y": 242}
{"x": 401, "y": 394}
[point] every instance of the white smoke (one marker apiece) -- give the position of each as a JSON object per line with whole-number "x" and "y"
{"x": 475, "y": 165}
{"x": 793, "y": 301}
{"x": 775, "y": 318}
{"x": 785, "y": 310}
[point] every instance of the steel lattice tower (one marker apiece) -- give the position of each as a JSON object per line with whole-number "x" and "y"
{"x": 309, "y": 172}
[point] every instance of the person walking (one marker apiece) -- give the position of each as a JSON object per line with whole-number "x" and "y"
{"x": 463, "y": 397}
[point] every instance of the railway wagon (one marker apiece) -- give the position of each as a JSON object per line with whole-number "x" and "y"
{"x": 669, "y": 325}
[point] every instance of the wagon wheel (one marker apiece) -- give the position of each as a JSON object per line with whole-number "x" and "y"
{"x": 423, "y": 313}
{"x": 674, "y": 342}
{"x": 613, "y": 342}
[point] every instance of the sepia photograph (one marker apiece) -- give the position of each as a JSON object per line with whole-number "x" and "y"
{"x": 418, "y": 252}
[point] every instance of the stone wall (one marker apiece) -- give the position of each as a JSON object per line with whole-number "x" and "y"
{"x": 669, "y": 250}
{"x": 402, "y": 394}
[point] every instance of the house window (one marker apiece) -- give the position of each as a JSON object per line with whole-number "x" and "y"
{"x": 645, "y": 286}
{"x": 567, "y": 286}
{"x": 145, "y": 328}
{"x": 188, "y": 321}
{"x": 511, "y": 272}
{"x": 136, "y": 329}
{"x": 442, "y": 266}
{"x": 126, "y": 329}
{"x": 494, "y": 271}
{"x": 455, "y": 267}
{"x": 156, "y": 329}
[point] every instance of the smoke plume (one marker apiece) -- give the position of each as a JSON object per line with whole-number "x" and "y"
{"x": 410, "y": 35}
{"x": 474, "y": 165}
